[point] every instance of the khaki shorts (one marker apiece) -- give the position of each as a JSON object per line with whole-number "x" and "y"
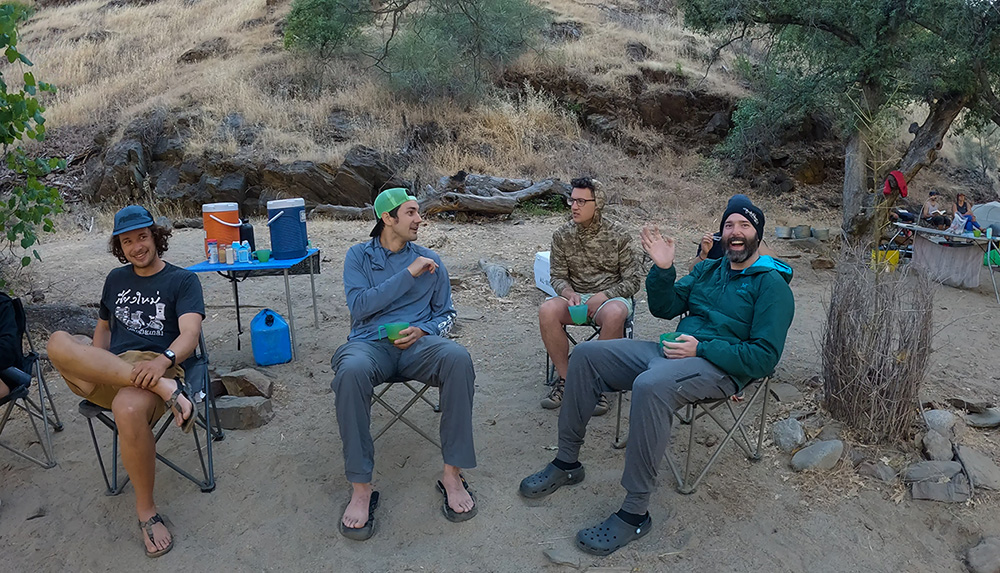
{"x": 584, "y": 297}
{"x": 104, "y": 394}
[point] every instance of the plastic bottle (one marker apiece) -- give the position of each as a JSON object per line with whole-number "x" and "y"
{"x": 245, "y": 252}
{"x": 230, "y": 255}
{"x": 213, "y": 251}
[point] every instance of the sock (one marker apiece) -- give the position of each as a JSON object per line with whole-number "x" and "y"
{"x": 633, "y": 519}
{"x": 566, "y": 466}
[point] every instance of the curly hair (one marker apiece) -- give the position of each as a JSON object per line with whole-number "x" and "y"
{"x": 160, "y": 239}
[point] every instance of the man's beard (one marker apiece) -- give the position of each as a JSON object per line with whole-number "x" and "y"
{"x": 749, "y": 248}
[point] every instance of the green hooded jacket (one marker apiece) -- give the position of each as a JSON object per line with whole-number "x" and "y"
{"x": 740, "y": 319}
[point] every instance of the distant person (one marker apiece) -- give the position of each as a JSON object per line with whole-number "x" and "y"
{"x": 390, "y": 279}
{"x": 963, "y": 207}
{"x": 149, "y": 322}
{"x": 10, "y": 347}
{"x": 935, "y": 213}
{"x": 592, "y": 262}
{"x": 711, "y": 246}
{"x": 737, "y": 311}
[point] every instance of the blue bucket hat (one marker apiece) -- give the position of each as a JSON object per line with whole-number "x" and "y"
{"x": 131, "y": 218}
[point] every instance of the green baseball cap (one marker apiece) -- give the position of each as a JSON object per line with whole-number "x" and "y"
{"x": 390, "y": 199}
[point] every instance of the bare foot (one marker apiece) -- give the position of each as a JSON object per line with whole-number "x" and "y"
{"x": 459, "y": 499}
{"x": 356, "y": 514}
{"x": 4, "y": 390}
{"x": 161, "y": 535}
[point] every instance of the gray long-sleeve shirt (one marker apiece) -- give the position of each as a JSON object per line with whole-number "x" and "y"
{"x": 380, "y": 290}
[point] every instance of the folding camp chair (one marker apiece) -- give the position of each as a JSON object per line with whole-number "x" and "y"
{"x": 693, "y": 412}
{"x": 550, "y": 369}
{"x": 197, "y": 376}
{"x": 41, "y": 413}
{"x": 399, "y": 415}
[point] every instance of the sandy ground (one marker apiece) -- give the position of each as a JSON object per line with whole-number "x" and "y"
{"x": 281, "y": 488}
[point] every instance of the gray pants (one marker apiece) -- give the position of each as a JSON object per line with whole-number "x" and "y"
{"x": 659, "y": 387}
{"x": 361, "y": 365}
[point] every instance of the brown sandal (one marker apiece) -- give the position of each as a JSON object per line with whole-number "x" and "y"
{"x": 147, "y": 527}
{"x": 188, "y": 423}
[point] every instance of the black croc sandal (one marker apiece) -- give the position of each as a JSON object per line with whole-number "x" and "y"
{"x": 611, "y": 535}
{"x": 188, "y": 424}
{"x": 452, "y": 515}
{"x": 368, "y": 529}
{"x": 147, "y": 528}
{"x": 548, "y": 480}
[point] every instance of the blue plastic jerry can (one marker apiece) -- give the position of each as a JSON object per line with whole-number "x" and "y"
{"x": 270, "y": 338}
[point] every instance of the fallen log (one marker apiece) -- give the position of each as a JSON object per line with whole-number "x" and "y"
{"x": 468, "y": 203}
{"x": 343, "y": 212}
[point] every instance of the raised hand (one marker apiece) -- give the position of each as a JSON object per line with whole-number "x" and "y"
{"x": 420, "y": 265}
{"x": 660, "y": 249}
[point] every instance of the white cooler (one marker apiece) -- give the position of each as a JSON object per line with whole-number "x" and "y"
{"x": 542, "y": 278}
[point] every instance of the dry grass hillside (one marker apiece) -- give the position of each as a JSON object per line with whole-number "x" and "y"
{"x": 118, "y": 61}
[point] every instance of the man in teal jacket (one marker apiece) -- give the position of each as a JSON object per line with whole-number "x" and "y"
{"x": 739, "y": 310}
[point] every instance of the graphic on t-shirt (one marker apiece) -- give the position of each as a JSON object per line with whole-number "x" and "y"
{"x": 148, "y": 306}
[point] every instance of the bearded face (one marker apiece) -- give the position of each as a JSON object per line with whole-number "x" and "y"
{"x": 739, "y": 238}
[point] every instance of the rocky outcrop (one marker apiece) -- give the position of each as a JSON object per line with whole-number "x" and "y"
{"x": 151, "y": 155}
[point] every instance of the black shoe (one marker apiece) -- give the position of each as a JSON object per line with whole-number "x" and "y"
{"x": 548, "y": 480}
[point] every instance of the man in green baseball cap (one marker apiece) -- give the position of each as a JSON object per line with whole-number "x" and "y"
{"x": 390, "y": 281}
{"x": 389, "y": 201}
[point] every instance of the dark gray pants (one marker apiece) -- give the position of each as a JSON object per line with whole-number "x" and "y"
{"x": 659, "y": 387}
{"x": 360, "y": 365}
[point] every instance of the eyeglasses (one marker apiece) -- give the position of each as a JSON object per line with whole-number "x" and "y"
{"x": 578, "y": 202}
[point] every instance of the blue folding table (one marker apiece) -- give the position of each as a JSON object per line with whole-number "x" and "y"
{"x": 237, "y": 272}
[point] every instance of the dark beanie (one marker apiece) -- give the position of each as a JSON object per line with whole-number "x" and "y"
{"x": 741, "y": 204}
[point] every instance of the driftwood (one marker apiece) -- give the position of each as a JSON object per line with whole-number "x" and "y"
{"x": 486, "y": 195}
{"x": 343, "y": 212}
{"x": 498, "y": 277}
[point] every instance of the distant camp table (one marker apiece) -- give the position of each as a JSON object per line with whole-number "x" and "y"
{"x": 238, "y": 272}
{"x": 942, "y": 255}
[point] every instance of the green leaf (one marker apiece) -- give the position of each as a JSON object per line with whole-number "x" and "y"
{"x": 25, "y": 261}
{"x": 29, "y": 79}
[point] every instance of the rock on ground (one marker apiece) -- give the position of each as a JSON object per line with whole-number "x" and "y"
{"x": 941, "y": 421}
{"x": 985, "y": 557}
{"x": 938, "y": 481}
{"x": 819, "y": 456}
{"x": 937, "y": 447}
{"x": 988, "y": 419}
{"x": 877, "y": 470}
{"x": 248, "y": 382}
{"x": 788, "y": 434}
{"x": 984, "y": 472}
{"x": 239, "y": 413}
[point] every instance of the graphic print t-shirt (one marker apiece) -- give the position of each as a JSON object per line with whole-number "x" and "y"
{"x": 143, "y": 311}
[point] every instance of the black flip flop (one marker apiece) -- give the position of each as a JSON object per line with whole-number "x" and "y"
{"x": 452, "y": 515}
{"x": 368, "y": 529}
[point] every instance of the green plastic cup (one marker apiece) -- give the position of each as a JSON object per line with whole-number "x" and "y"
{"x": 669, "y": 337}
{"x": 392, "y": 330}
{"x": 578, "y": 313}
{"x": 263, "y": 255}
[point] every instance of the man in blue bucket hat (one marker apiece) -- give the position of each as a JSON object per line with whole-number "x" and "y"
{"x": 390, "y": 280}
{"x": 149, "y": 323}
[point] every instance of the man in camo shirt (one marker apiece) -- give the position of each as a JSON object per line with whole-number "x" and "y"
{"x": 592, "y": 262}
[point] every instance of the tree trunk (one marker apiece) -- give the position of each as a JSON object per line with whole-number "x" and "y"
{"x": 857, "y": 197}
{"x": 924, "y": 147}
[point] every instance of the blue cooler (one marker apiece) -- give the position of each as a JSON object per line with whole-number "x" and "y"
{"x": 286, "y": 219}
{"x": 270, "y": 338}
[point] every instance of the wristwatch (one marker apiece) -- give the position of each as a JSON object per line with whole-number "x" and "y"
{"x": 173, "y": 357}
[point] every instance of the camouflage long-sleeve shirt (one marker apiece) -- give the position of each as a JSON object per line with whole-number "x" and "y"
{"x": 593, "y": 259}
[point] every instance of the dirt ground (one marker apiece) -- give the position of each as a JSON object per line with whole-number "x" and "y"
{"x": 281, "y": 488}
